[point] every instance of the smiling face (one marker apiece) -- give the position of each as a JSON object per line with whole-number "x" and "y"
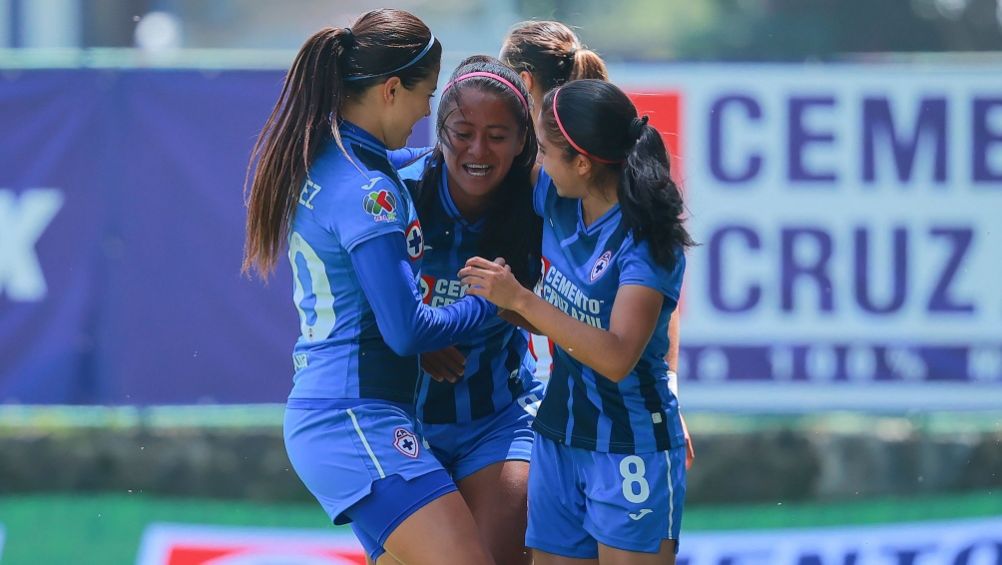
{"x": 482, "y": 138}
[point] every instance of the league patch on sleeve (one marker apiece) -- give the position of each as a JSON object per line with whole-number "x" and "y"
{"x": 381, "y": 205}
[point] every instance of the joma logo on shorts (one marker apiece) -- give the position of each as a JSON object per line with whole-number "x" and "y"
{"x": 643, "y": 512}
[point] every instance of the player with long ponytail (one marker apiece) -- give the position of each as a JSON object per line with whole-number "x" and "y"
{"x": 323, "y": 185}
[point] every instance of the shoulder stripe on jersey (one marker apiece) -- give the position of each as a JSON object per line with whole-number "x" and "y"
{"x": 361, "y": 436}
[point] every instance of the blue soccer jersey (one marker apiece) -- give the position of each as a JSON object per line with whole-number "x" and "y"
{"x": 583, "y": 268}
{"x": 494, "y": 353}
{"x": 340, "y": 353}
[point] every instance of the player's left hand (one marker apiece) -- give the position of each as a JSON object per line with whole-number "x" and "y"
{"x": 444, "y": 365}
{"x": 492, "y": 280}
{"x": 690, "y": 452}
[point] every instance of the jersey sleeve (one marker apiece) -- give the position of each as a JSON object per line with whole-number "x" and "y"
{"x": 540, "y": 191}
{"x": 414, "y": 169}
{"x": 407, "y": 324}
{"x": 401, "y": 158}
{"x": 364, "y": 209}
{"x": 637, "y": 267}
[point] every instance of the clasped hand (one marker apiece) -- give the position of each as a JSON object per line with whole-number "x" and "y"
{"x": 492, "y": 280}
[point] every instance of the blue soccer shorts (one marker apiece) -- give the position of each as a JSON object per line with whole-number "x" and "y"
{"x": 580, "y": 498}
{"x": 365, "y": 464}
{"x": 506, "y": 435}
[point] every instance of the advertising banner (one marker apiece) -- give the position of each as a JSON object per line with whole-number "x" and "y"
{"x": 975, "y": 541}
{"x": 176, "y": 544}
{"x": 847, "y": 215}
{"x": 849, "y": 222}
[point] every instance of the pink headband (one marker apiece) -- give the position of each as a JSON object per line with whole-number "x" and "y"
{"x": 567, "y": 136}
{"x": 499, "y": 78}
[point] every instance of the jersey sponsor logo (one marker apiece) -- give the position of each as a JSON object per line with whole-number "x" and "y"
{"x": 445, "y": 291}
{"x": 601, "y": 266}
{"x": 415, "y": 240}
{"x": 406, "y": 442}
{"x": 561, "y": 291}
{"x": 643, "y": 512}
{"x": 427, "y": 283}
{"x": 381, "y": 204}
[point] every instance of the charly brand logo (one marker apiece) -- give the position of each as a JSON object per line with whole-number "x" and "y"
{"x": 23, "y": 220}
{"x": 405, "y": 442}
{"x": 381, "y": 204}
{"x": 601, "y": 266}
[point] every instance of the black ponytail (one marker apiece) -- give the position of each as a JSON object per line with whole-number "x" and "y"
{"x": 603, "y": 125}
{"x": 651, "y": 202}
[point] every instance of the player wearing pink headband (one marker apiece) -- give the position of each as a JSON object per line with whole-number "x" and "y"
{"x": 607, "y": 481}
{"x": 547, "y": 54}
{"x": 473, "y": 194}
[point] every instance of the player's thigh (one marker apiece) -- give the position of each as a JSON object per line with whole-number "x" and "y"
{"x": 557, "y": 506}
{"x": 441, "y": 532}
{"x": 543, "y": 558}
{"x": 612, "y": 556}
{"x": 497, "y": 498}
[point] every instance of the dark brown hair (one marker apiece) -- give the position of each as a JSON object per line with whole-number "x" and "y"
{"x": 601, "y": 120}
{"x": 333, "y": 65}
{"x": 551, "y": 53}
{"x": 512, "y": 229}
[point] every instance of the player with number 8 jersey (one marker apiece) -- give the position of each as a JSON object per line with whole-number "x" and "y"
{"x": 607, "y": 478}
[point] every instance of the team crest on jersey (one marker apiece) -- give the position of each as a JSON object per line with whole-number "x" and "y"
{"x": 415, "y": 240}
{"x": 381, "y": 204}
{"x": 406, "y": 442}
{"x": 601, "y": 266}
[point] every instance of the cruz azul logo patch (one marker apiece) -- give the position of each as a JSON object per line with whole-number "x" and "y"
{"x": 381, "y": 204}
{"x": 405, "y": 442}
{"x": 601, "y": 266}
{"x": 415, "y": 240}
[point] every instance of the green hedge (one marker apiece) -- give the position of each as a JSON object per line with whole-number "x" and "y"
{"x": 227, "y": 453}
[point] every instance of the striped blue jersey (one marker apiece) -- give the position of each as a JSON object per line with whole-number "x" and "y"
{"x": 340, "y": 353}
{"x": 495, "y": 352}
{"x": 583, "y": 268}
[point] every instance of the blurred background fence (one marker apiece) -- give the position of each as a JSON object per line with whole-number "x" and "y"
{"x": 841, "y": 365}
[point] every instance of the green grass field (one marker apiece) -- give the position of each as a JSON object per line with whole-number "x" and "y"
{"x": 106, "y": 529}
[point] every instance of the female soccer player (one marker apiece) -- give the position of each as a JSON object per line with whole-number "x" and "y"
{"x": 547, "y": 54}
{"x": 607, "y": 479}
{"x": 324, "y": 184}
{"x": 474, "y": 196}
